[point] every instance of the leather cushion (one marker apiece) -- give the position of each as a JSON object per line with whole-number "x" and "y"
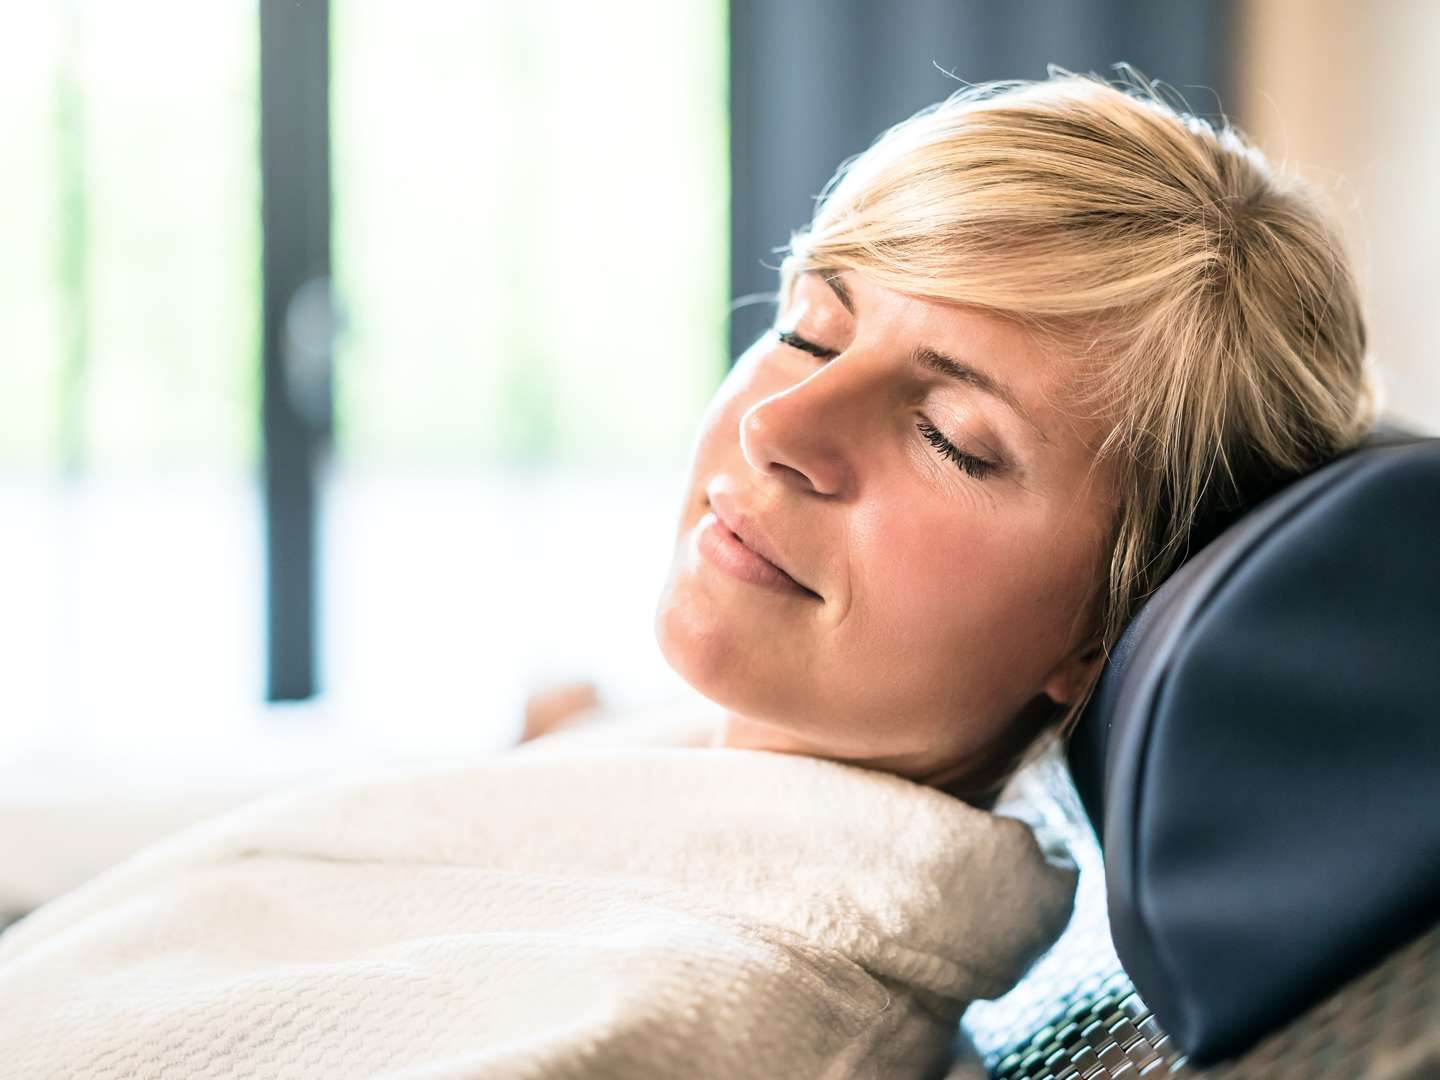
{"x": 1261, "y": 759}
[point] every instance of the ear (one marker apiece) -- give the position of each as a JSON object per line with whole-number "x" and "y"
{"x": 1069, "y": 678}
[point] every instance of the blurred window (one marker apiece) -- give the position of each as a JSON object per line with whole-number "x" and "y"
{"x": 531, "y": 223}
{"x": 129, "y": 323}
{"x": 530, "y": 236}
{"x": 531, "y": 228}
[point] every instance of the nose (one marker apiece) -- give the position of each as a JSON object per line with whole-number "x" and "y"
{"x": 808, "y": 433}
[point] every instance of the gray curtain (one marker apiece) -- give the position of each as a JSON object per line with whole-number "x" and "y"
{"x": 814, "y": 81}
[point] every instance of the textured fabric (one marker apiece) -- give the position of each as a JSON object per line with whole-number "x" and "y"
{"x": 66, "y": 816}
{"x": 599, "y": 913}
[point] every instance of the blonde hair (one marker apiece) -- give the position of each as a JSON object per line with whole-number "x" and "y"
{"x": 1206, "y": 298}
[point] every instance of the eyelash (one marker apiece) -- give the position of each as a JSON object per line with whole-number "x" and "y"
{"x": 969, "y": 464}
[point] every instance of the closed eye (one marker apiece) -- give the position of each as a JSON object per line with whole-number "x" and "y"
{"x": 795, "y": 341}
{"x": 968, "y": 463}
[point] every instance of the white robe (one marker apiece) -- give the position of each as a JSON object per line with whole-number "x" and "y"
{"x": 586, "y": 912}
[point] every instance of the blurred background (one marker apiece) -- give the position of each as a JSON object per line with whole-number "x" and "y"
{"x": 350, "y": 351}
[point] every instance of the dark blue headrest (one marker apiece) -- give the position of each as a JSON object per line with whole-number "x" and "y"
{"x": 1261, "y": 759}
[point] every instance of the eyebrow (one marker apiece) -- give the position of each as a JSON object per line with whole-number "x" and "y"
{"x": 934, "y": 360}
{"x": 832, "y": 278}
{"x": 938, "y": 362}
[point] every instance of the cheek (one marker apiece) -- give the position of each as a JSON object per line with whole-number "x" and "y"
{"x": 978, "y": 594}
{"x": 927, "y": 577}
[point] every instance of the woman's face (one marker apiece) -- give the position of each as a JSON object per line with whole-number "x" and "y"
{"x": 909, "y": 468}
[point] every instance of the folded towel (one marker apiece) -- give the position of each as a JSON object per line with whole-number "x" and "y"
{"x": 579, "y": 913}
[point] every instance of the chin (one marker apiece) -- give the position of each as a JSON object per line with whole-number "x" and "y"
{"x": 698, "y": 643}
{"x": 723, "y": 644}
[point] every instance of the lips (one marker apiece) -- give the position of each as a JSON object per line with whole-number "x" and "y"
{"x": 752, "y": 534}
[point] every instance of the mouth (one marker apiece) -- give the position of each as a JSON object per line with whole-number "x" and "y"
{"x": 737, "y": 545}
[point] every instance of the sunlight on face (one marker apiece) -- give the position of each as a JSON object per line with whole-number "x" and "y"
{"x": 890, "y": 536}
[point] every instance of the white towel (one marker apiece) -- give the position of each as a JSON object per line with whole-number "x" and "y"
{"x": 586, "y": 912}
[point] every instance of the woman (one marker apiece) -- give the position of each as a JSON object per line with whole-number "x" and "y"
{"x": 1033, "y": 336}
{"x": 1034, "y": 339}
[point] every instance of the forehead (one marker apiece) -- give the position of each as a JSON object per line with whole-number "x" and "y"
{"x": 1002, "y": 349}
{"x": 853, "y": 293}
